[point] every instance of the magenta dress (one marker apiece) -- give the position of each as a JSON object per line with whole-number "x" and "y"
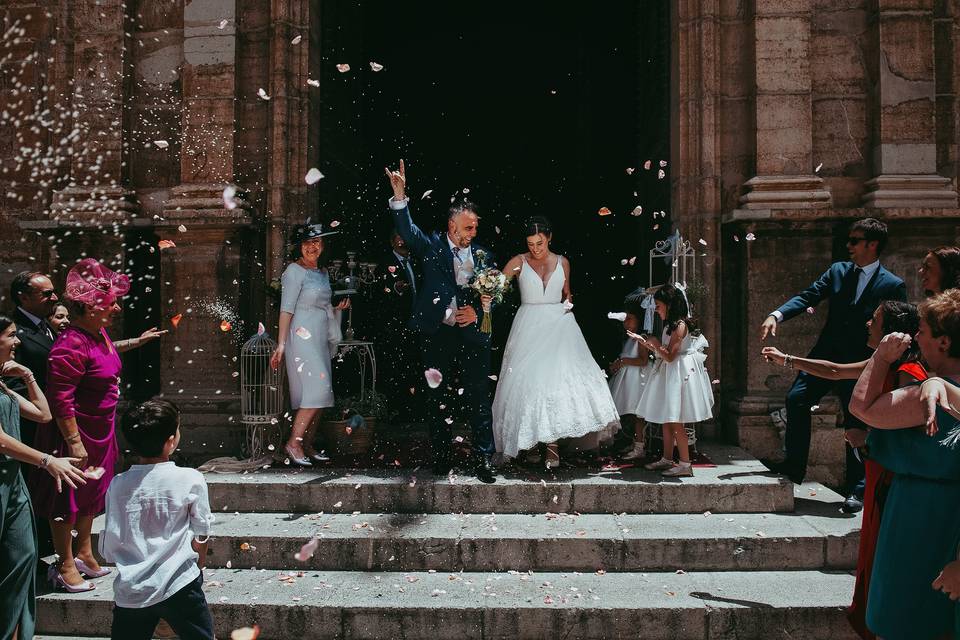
{"x": 82, "y": 383}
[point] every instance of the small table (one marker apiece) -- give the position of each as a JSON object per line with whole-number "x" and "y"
{"x": 364, "y": 351}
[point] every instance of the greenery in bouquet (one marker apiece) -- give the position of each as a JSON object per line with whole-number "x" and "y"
{"x": 488, "y": 281}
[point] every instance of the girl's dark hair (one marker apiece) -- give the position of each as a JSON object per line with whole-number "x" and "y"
{"x": 677, "y": 309}
{"x": 538, "y": 224}
{"x": 5, "y": 322}
{"x": 902, "y": 317}
{"x": 949, "y": 259}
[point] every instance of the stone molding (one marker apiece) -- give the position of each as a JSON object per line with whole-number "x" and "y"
{"x": 892, "y": 191}
{"x": 786, "y": 192}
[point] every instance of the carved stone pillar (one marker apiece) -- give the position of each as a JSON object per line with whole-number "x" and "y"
{"x": 904, "y": 117}
{"x": 784, "y": 120}
{"x": 201, "y": 279}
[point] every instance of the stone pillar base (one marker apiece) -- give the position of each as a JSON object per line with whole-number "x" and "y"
{"x": 785, "y": 192}
{"x": 203, "y": 280}
{"x": 907, "y": 191}
{"x": 92, "y": 207}
{"x": 757, "y": 435}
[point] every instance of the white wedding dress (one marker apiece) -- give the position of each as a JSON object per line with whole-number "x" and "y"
{"x": 549, "y": 387}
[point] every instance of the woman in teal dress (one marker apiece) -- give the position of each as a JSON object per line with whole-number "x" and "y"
{"x": 18, "y": 547}
{"x": 920, "y": 530}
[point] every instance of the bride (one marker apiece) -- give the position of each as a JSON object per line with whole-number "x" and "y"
{"x": 549, "y": 387}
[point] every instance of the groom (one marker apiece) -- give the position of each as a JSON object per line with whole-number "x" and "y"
{"x": 451, "y": 341}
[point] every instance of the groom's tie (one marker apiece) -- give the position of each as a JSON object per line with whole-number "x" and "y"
{"x": 409, "y": 271}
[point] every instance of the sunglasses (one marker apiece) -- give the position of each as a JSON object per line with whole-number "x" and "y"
{"x": 47, "y": 294}
{"x": 854, "y": 241}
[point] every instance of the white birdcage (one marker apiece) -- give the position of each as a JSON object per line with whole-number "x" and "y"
{"x": 261, "y": 392}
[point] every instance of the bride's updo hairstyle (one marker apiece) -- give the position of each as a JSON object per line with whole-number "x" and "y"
{"x": 677, "y": 308}
{"x": 539, "y": 224}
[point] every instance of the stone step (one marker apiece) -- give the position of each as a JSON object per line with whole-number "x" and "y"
{"x": 437, "y": 606}
{"x": 738, "y": 484}
{"x": 551, "y": 542}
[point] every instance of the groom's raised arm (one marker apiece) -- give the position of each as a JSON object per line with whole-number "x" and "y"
{"x": 415, "y": 239}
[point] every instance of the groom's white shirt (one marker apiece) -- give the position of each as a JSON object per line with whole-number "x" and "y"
{"x": 462, "y": 265}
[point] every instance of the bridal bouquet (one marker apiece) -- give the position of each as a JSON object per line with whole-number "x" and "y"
{"x": 488, "y": 281}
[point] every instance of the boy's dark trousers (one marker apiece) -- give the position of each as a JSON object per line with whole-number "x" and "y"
{"x": 185, "y": 611}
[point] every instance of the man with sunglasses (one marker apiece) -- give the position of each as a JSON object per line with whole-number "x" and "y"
{"x": 35, "y": 297}
{"x": 854, "y": 289}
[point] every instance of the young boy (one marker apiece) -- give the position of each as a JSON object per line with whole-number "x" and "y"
{"x": 157, "y": 524}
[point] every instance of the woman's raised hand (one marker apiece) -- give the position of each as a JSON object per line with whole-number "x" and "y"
{"x": 398, "y": 181}
{"x": 933, "y": 394}
{"x": 774, "y": 355}
{"x": 893, "y": 346}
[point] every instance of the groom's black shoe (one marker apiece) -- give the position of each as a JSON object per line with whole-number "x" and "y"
{"x": 485, "y": 472}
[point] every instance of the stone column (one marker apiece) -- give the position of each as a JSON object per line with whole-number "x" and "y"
{"x": 904, "y": 118}
{"x": 784, "y": 123}
{"x": 201, "y": 279}
{"x": 97, "y": 194}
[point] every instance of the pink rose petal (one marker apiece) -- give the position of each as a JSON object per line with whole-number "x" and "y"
{"x": 434, "y": 378}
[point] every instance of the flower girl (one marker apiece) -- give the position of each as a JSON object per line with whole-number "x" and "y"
{"x": 629, "y": 374}
{"x": 678, "y": 389}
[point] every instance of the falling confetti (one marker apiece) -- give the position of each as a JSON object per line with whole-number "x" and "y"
{"x": 375, "y": 66}
{"x": 223, "y": 24}
{"x": 94, "y": 473}
{"x": 229, "y": 197}
{"x": 307, "y": 550}
{"x": 426, "y": 194}
{"x": 166, "y": 244}
{"x": 175, "y": 320}
{"x": 302, "y": 333}
{"x": 647, "y": 165}
{"x": 334, "y": 224}
{"x": 313, "y": 176}
{"x": 630, "y": 171}
{"x": 703, "y": 242}
{"x": 245, "y": 633}
{"x": 661, "y": 174}
{"x": 604, "y": 211}
{"x": 434, "y": 378}
{"x": 296, "y": 40}
{"x": 343, "y": 68}
{"x": 313, "y": 83}
{"x": 750, "y": 237}
{"x": 161, "y": 144}
{"x": 819, "y": 166}
{"x": 663, "y": 163}
{"x": 182, "y": 229}
{"x": 263, "y": 94}
{"x": 261, "y": 329}
{"x": 637, "y": 210}
{"x": 567, "y": 305}
{"x": 619, "y": 316}
{"x": 225, "y": 326}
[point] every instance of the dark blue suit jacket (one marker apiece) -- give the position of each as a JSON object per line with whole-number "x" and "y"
{"x": 844, "y": 337}
{"x": 439, "y": 281}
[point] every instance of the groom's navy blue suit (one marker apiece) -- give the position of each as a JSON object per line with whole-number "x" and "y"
{"x": 452, "y": 350}
{"x": 843, "y": 340}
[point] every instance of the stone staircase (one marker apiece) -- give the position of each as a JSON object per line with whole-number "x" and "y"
{"x": 730, "y": 553}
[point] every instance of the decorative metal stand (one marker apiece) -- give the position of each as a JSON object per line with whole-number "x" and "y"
{"x": 345, "y": 284}
{"x": 365, "y": 356}
{"x": 680, "y": 254}
{"x": 261, "y": 392}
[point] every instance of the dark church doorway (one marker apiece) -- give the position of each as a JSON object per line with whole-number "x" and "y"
{"x": 535, "y": 108}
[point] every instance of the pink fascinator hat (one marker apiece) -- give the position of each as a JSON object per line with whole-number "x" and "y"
{"x": 94, "y": 285}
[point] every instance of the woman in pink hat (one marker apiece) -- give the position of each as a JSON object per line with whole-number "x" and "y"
{"x": 83, "y": 389}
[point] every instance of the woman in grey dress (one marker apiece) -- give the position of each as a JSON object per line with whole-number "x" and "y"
{"x": 309, "y": 334}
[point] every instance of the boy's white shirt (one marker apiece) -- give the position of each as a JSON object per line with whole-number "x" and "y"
{"x": 153, "y": 513}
